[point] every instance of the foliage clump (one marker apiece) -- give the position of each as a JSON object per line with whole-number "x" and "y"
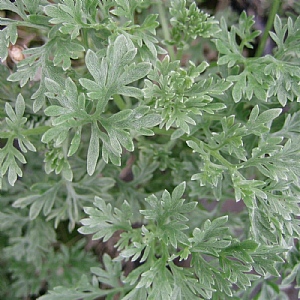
{"x": 116, "y": 127}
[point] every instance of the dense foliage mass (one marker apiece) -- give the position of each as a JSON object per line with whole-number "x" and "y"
{"x": 136, "y": 123}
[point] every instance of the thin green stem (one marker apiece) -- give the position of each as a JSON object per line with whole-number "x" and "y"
{"x": 6, "y": 21}
{"x": 36, "y": 131}
{"x": 171, "y": 145}
{"x": 165, "y": 28}
{"x": 216, "y": 154}
{"x": 5, "y": 135}
{"x": 274, "y": 9}
{"x": 213, "y": 152}
{"x": 84, "y": 37}
{"x": 33, "y": 131}
{"x": 224, "y": 161}
{"x": 179, "y": 53}
{"x": 119, "y": 102}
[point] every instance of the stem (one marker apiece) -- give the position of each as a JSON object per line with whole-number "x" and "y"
{"x": 213, "y": 152}
{"x": 165, "y": 28}
{"x": 171, "y": 145}
{"x": 6, "y": 21}
{"x": 35, "y": 131}
{"x": 269, "y": 25}
{"x": 179, "y": 53}
{"x": 26, "y": 132}
{"x": 163, "y": 131}
{"x": 84, "y": 37}
{"x": 224, "y": 161}
{"x": 119, "y": 102}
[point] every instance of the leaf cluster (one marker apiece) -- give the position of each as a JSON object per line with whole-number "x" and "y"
{"x": 114, "y": 127}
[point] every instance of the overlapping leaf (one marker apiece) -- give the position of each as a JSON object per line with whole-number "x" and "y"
{"x": 9, "y": 155}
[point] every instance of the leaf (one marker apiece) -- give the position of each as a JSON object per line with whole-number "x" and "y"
{"x": 261, "y": 227}
{"x": 114, "y": 72}
{"x": 174, "y": 92}
{"x": 7, "y": 35}
{"x": 93, "y": 151}
{"x": 63, "y": 293}
{"x": 135, "y": 72}
{"x": 265, "y": 259}
{"x": 212, "y": 238}
{"x": 102, "y": 223}
{"x": 111, "y": 272}
{"x": 51, "y": 72}
{"x": 283, "y": 85}
{"x": 268, "y": 115}
{"x": 291, "y": 277}
{"x": 66, "y": 50}
{"x": 169, "y": 215}
{"x": 92, "y": 63}
{"x": 237, "y": 91}
{"x": 58, "y": 14}
{"x": 7, "y": 5}
{"x": 69, "y": 16}
{"x": 9, "y": 154}
{"x": 178, "y": 191}
{"x": 24, "y": 74}
{"x": 75, "y": 143}
{"x": 258, "y": 123}
{"x": 186, "y": 286}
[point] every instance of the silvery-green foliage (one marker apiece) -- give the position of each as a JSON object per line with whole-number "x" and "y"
{"x": 113, "y": 127}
